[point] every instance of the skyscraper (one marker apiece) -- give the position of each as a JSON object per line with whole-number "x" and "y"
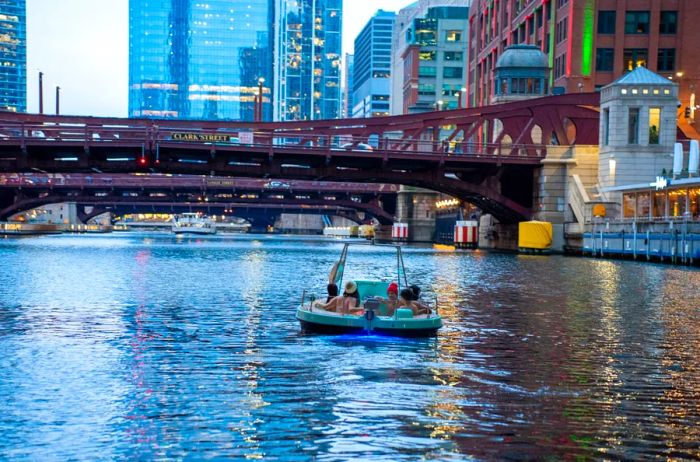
{"x": 307, "y": 71}
{"x": 434, "y": 60}
{"x": 347, "y": 95}
{"x": 401, "y": 38}
{"x": 200, "y": 60}
{"x": 13, "y": 55}
{"x": 372, "y": 66}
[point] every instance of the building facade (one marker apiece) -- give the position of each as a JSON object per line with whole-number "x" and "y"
{"x": 434, "y": 60}
{"x": 200, "y": 60}
{"x": 308, "y": 59}
{"x": 372, "y": 66}
{"x": 348, "y": 87}
{"x": 400, "y": 40}
{"x": 589, "y": 43}
{"x": 13, "y": 55}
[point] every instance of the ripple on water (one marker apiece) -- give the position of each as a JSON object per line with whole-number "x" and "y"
{"x": 152, "y": 347}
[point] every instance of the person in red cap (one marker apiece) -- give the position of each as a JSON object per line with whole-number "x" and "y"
{"x": 392, "y": 300}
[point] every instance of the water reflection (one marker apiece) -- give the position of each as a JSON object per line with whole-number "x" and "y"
{"x": 152, "y": 347}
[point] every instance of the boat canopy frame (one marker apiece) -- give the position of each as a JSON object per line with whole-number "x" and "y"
{"x": 339, "y": 267}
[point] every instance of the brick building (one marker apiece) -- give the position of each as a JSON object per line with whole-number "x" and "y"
{"x": 589, "y": 43}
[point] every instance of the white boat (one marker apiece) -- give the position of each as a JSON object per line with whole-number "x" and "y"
{"x": 193, "y": 223}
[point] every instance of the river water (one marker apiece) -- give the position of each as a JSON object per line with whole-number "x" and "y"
{"x": 149, "y": 346}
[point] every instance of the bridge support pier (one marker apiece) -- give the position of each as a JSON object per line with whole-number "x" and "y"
{"x": 555, "y": 185}
{"x": 414, "y": 206}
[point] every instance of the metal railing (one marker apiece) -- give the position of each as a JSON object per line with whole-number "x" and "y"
{"x": 153, "y": 135}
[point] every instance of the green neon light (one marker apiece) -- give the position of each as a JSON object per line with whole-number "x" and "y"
{"x": 552, "y": 22}
{"x": 587, "y": 42}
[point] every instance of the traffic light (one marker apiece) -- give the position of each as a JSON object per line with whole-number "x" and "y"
{"x": 687, "y": 112}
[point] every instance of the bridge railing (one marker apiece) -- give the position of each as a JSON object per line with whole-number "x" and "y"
{"x": 78, "y": 180}
{"x": 153, "y": 135}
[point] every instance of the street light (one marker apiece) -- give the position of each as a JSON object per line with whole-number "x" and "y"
{"x": 58, "y": 99}
{"x": 439, "y": 105}
{"x": 259, "y": 100}
{"x": 41, "y": 92}
{"x": 462, "y": 92}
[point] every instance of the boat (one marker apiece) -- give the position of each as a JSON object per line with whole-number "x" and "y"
{"x": 193, "y": 223}
{"x": 372, "y": 316}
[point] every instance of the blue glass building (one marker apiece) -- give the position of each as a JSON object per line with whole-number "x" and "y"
{"x": 309, "y": 60}
{"x": 372, "y": 67}
{"x": 200, "y": 59}
{"x": 13, "y": 55}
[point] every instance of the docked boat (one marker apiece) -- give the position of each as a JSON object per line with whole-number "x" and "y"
{"x": 193, "y": 223}
{"x": 373, "y": 315}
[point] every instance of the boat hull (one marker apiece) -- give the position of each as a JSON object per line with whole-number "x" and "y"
{"x": 319, "y": 322}
{"x": 193, "y": 231}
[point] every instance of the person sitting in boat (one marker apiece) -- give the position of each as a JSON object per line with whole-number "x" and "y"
{"x": 352, "y": 297}
{"x": 347, "y": 303}
{"x": 423, "y": 308}
{"x": 392, "y": 299}
{"x": 332, "y": 291}
{"x": 406, "y": 301}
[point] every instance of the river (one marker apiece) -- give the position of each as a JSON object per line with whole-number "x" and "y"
{"x": 151, "y": 346}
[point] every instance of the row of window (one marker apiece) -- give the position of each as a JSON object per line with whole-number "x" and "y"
{"x": 447, "y": 72}
{"x": 456, "y": 56}
{"x": 637, "y": 22}
{"x": 633, "y": 118}
{"x": 633, "y": 57}
{"x": 676, "y": 202}
{"x": 447, "y": 89}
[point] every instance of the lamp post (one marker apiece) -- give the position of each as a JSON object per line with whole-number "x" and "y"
{"x": 462, "y": 93}
{"x": 58, "y": 99}
{"x": 259, "y": 100}
{"x": 439, "y": 105}
{"x": 41, "y": 92}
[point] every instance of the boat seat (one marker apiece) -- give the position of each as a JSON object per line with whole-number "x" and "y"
{"x": 404, "y": 313}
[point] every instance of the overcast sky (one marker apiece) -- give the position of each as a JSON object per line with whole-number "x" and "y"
{"x": 83, "y": 47}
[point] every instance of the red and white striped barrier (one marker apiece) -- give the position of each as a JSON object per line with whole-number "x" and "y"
{"x": 399, "y": 231}
{"x": 466, "y": 233}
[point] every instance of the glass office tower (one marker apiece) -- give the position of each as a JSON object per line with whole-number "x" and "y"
{"x": 372, "y": 67}
{"x": 13, "y": 55}
{"x": 309, "y": 59}
{"x": 200, "y": 59}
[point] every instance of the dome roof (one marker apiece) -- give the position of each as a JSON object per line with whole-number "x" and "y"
{"x": 528, "y": 56}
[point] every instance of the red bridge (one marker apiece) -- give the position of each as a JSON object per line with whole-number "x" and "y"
{"x": 122, "y": 193}
{"x": 485, "y": 156}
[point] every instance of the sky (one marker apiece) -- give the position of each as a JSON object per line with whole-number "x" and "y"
{"x": 82, "y": 46}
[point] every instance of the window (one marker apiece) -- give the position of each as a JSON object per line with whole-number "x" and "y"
{"x": 637, "y": 22}
{"x": 562, "y": 30}
{"x": 606, "y": 22}
{"x": 604, "y": 59}
{"x": 427, "y": 71}
{"x": 560, "y": 66}
{"x": 633, "y": 126}
{"x": 667, "y": 59}
{"x": 453, "y": 56}
{"x": 426, "y": 89}
{"x": 452, "y": 72}
{"x": 634, "y": 57}
{"x": 453, "y": 35}
{"x": 426, "y": 56}
{"x": 654, "y": 124}
{"x": 606, "y": 126}
{"x": 669, "y": 22}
